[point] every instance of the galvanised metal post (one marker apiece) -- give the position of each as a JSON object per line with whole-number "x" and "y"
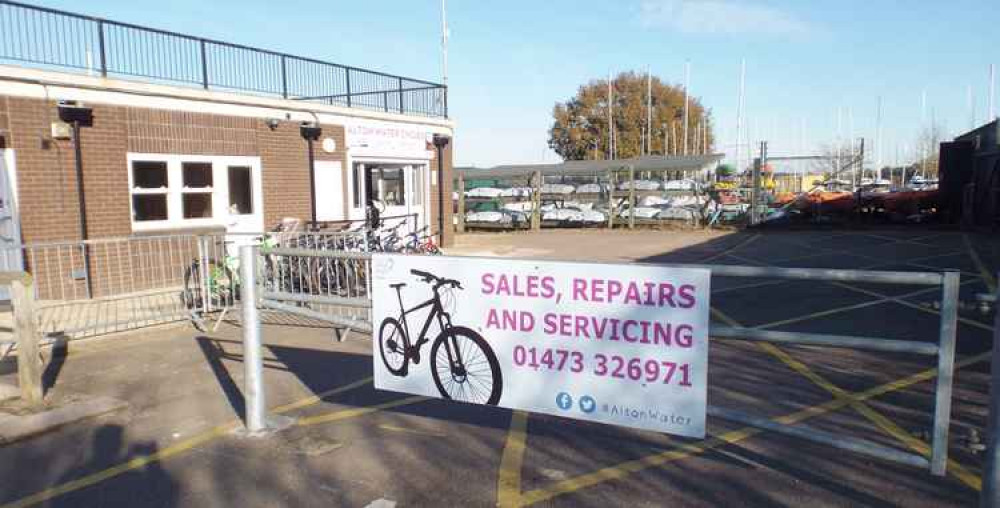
{"x": 990, "y": 495}
{"x": 284, "y": 78}
{"x": 100, "y": 45}
{"x": 253, "y": 391}
{"x": 400, "y": 85}
{"x": 204, "y": 65}
{"x": 347, "y": 80}
{"x": 945, "y": 371}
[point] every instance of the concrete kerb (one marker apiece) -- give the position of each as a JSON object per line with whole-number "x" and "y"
{"x": 16, "y": 427}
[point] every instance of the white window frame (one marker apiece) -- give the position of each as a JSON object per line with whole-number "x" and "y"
{"x": 175, "y": 189}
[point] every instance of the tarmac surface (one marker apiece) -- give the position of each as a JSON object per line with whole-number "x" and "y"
{"x": 354, "y": 446}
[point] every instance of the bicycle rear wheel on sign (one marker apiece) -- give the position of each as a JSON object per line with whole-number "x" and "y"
{"x": 392, "y": 345}
{"x": 473, "y": 374}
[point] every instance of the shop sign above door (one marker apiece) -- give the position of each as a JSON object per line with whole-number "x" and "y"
{"x": 368, "y": 138}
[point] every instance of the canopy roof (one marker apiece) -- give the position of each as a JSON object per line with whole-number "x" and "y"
{"x": 587, "y": 168}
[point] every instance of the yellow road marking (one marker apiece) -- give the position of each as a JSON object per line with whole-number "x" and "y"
{"x": 732, "y": 437}
{"x": 345, "y": 414}
{"x": 170, "y": 451}
{"x": 976, "y": 260}
{"x": 308, "y": 401}
{"x": 889, "y": 427}
{"x": 407, "y": 430}
{"x": 124, "y": 467}
{"x": 899, "y": 299}
{"x": 734, "y": 248}
{"x": 885, "y": 424}
{"x": 509, "y": 482}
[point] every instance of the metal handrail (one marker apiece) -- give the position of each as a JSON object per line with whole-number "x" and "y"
{"x": 30, "y": 42}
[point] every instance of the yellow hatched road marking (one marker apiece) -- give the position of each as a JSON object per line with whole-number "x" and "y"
{"x": 887, "y": 425}
{"x": 623, "y": 469}
{"x": 880, "y": 421}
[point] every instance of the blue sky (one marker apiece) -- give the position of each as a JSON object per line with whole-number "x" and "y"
{"x": 509, "y": 62}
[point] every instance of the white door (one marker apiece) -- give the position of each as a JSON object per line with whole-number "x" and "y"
{"x": 10, "y": 227}
{"x": 242, "y": 198}
{"x": 416, "y": 204}
{"x": 329, "y": 191}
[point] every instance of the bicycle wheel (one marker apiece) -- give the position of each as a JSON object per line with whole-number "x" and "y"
{"x": 222, "y": 287}
{"x": 192, "y": 295}
{"x": 473, "y": 375}
{"x": 392, "y": 345}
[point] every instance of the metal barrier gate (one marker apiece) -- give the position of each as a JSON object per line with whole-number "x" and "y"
{"x": 93, "y": 287}
{"x": 303, "y": 281}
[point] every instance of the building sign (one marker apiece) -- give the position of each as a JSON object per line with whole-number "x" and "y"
{"x": 369, "y": 138}
{"x": 618, "y": 344}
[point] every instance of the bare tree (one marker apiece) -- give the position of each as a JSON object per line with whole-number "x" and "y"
{"x": 838, "y": 160}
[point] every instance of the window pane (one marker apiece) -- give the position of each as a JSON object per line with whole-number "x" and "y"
{"x": 392, "y": 187}
{"x": 198, "y": 205}
{"x": 240, "y": 191}
{"x": 148, "y": 207}
{"x": 149, "y": 175}
{"x": 197, "y": 175}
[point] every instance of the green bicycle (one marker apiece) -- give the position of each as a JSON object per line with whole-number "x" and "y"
{"x": 216, "y": 283}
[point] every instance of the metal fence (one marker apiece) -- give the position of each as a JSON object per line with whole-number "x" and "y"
{"x": 94, "y": 287}
{"x": 943, "y": 350}
{"x": 46, "y": 37}
{"x": 314, "y": 264}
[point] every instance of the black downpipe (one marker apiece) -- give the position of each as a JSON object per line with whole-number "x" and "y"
{"x": 312, "y": 181}
{"x": 311, "y": 133}
{"x": 84, "y": 234}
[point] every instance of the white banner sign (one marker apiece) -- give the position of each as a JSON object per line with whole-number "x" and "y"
{"x": 619, "y": 344}
{"x": 383, "y": 139}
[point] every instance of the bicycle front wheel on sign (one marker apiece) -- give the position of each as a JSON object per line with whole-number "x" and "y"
{"x": 611, "y": 343}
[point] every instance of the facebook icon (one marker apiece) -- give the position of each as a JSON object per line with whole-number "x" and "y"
{"x": 564, "y": 401}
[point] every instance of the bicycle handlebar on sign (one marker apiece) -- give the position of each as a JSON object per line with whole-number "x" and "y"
{"x": 430, "y": 277}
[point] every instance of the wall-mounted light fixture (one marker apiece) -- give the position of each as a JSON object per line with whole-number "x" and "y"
{"x": 272, "y": 123}
{"x": 79, "y": 116}
{"x": 311, "y": 132}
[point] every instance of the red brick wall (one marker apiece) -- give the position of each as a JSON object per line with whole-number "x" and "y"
{"x": 160, "y": 131}
{"x": 285, "y": 169}
{"x": 47, "y": 178}
{"x": 449, "y": 229}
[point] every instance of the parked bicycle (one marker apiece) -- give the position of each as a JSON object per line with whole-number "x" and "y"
{"x": 218, "y": 280}
{"x": 463, "y": 365}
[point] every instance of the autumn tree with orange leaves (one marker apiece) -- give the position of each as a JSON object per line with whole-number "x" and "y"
{"x": 580, "y": 125}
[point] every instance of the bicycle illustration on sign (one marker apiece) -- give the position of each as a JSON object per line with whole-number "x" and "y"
{"x": 463, "y": 365}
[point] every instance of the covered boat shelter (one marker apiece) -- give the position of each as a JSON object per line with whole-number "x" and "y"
{"x": 606, "y": 174}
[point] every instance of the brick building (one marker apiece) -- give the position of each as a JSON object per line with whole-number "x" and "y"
{"x": 182, "y": 143}
{"x": 161, "y": 159}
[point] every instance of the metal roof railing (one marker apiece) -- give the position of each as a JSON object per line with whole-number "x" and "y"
{"x": 51, "y": 38}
